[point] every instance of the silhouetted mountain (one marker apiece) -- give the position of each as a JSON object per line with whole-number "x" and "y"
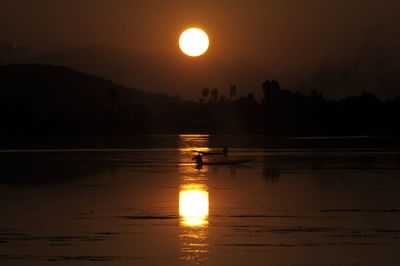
{"x": 172, "y": 74}
{"x": 375, "y": 68}
{"x": 53, "y": 100}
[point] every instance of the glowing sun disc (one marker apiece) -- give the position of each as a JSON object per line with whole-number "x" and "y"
{"x": 194, "y": 42}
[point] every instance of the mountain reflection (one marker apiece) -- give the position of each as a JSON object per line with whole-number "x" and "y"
{"x": 193, "y": 201}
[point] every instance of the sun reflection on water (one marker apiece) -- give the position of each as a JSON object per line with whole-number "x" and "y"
{"x": 193, "y": 205}
{"x": 193, "y": 201}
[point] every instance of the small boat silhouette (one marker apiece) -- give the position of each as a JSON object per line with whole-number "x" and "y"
{"x": 227, "y": 162}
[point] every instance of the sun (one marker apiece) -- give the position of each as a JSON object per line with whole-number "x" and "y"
{"x": 194, "y": 42}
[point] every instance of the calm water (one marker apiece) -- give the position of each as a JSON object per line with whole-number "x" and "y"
{"x": 152, "y": 206}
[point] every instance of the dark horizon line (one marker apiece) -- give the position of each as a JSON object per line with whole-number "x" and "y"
{"x": 150, "y": 91}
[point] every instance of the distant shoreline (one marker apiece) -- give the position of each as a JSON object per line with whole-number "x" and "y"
{"x": 126, "y": 142}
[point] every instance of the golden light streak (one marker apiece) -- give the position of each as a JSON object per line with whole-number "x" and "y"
{"x": 193, "y": 205}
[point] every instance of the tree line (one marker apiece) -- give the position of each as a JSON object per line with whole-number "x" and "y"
{"x": 52, "y": 100}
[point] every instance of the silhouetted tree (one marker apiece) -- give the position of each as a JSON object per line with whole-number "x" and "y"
{"x": 37, "y": 99}
{"x": 315, "y": 94}
{"x": 271, "y": 88}
{"x": 214, "y": 94}
{"x": 250, "y": 97}
{"x": 205, "y": 92}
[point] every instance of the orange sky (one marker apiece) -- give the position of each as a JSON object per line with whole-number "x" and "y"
{"x": 293, "y": 39}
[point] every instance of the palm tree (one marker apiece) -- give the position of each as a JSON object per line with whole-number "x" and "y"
{"x": 214, "y": 94}
{"x": 205, "y": 92}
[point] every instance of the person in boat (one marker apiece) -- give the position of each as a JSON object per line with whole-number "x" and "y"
{"x": 225, "y": 152}
{"x": 198, "y": 158}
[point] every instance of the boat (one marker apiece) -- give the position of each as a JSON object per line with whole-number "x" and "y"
{"x": 226, "y": 162}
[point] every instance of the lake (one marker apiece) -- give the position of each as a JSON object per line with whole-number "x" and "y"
{"x": 295, "y": 201}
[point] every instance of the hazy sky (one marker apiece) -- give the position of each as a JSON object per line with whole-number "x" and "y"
{"x": 298, "y": 39}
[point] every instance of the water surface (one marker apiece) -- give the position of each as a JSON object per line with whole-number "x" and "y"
{"x": 153, "y": 206}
